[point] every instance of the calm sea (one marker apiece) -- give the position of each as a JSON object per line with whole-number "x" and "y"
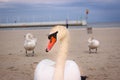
{"x": 94, "y": 25}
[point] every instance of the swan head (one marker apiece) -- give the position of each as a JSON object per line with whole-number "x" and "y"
{"x": 57, "y": 33}
{"x": 28, "y": 36}
{"x": 90, "y": 39}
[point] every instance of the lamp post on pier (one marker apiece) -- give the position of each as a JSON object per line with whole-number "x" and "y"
{"x": 87, "y": 12}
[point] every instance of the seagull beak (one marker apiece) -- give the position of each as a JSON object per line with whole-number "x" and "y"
{"x": 51, "y": 43}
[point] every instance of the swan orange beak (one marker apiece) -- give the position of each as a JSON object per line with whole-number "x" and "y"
{"x": 51, "y": 43}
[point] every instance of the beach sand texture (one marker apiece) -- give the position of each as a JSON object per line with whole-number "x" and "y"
{"x": 105, "y": 65}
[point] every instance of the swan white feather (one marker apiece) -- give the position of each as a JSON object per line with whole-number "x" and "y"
{"x": 45, "y": 70}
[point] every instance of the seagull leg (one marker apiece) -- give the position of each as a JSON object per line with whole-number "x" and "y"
{"x": 89, "y": 50}
{"x": 26, "y": 53}
{"x": 96, "y": 50}
{"x": 33, "y": 53}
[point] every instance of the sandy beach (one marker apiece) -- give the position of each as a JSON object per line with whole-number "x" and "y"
{"x": 105, "y": 65}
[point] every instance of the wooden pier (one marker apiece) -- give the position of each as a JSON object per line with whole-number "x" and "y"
{"x": 43, "y": 24}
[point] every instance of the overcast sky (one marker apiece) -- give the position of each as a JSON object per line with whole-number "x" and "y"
{"x": 51, "y": 10}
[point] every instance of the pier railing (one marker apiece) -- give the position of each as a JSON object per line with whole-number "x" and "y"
{"x": 44, "y": 24}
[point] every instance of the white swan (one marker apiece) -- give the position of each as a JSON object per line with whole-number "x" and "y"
{"x": 93, "y": 44}
{"x": 29, "y": 43}
{"x": 62, "y": 69}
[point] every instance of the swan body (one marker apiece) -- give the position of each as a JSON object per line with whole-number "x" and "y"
{"x": 93, "y": 44}
{"x": 62, "y": 69}
{"x": 29, "y": 43}
{"x": 45, "y": 70}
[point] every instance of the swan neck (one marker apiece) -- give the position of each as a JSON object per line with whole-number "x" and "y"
{"x": 61, "y": 59}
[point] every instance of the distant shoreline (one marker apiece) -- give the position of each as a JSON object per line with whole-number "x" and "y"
{"x": 93, "y": 25}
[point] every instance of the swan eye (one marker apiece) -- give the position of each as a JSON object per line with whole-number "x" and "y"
{"x": 53, "y": 35}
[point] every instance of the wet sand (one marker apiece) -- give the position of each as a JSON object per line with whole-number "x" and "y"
{"x": 104, "y": 65}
